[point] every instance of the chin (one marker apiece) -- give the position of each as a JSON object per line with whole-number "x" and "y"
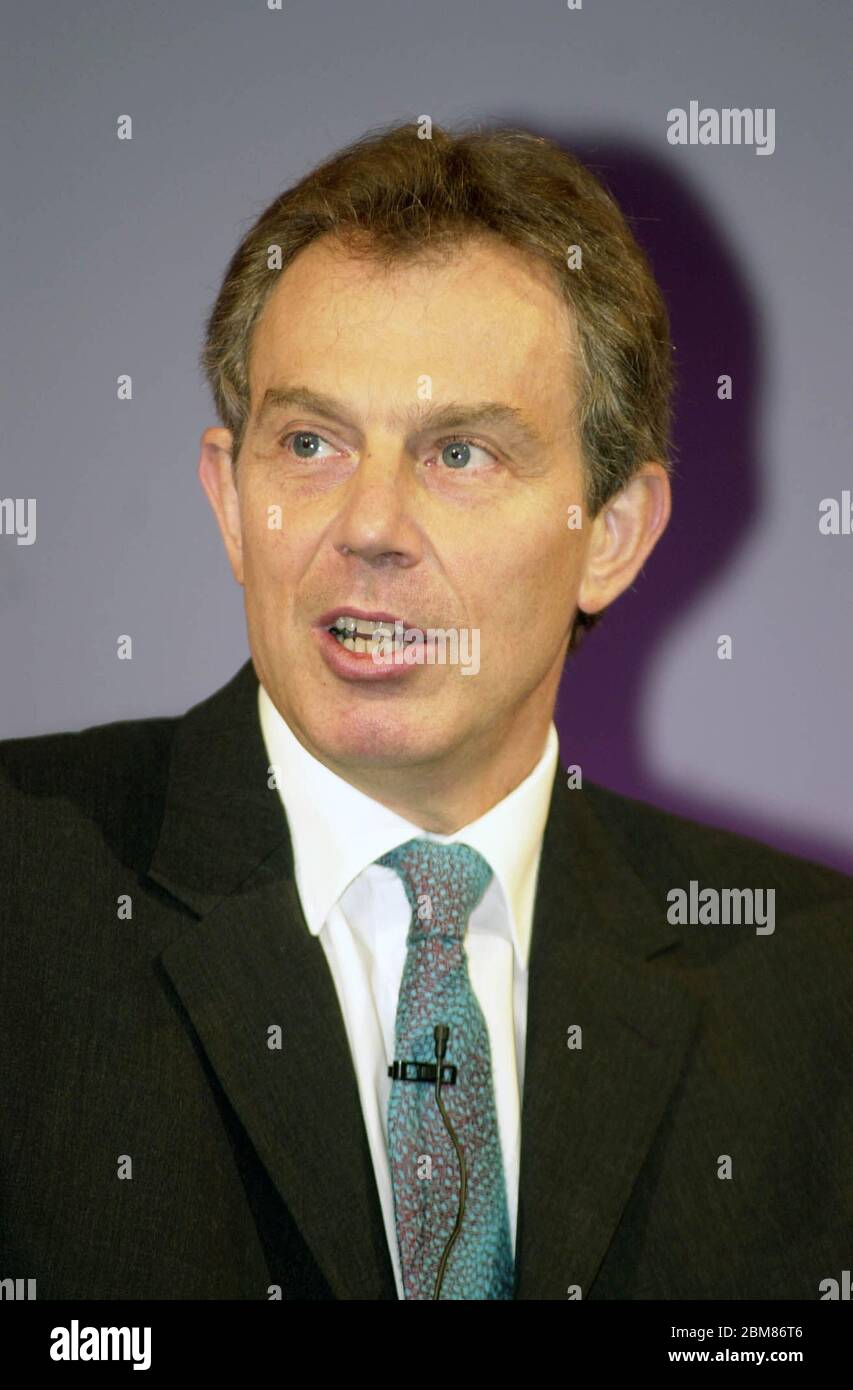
{"x": 367, "y": 739}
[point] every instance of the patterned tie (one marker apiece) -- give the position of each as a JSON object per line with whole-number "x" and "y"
{"x": 444, "y": 883}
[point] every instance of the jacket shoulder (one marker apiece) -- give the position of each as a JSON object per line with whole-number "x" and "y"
{"x": 56, "y": 789}
{"x": 43, "y": 763}
{"x": 667, "y": 850}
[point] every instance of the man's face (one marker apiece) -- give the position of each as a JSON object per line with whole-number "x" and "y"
{"x": 377, "y": 509}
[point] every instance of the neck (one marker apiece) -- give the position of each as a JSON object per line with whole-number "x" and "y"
{"x": 442, "y": 802}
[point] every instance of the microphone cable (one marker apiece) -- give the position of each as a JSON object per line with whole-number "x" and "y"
{"x": 441, "y": 1033}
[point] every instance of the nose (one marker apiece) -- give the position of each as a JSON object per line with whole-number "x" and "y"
{"x": 375, "y": 521}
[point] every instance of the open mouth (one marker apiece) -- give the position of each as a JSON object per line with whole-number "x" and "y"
{"x": 370, "y": 635}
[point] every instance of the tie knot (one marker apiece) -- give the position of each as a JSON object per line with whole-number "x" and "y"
{"x": 443, "y": 883}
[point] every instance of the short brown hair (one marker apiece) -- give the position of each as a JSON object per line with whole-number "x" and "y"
{"x": 413, "y": 194}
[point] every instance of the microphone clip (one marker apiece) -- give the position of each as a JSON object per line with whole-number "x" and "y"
{"x": 422, "y": 1071}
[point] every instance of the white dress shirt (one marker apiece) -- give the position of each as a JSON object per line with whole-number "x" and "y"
{"x": 361, "y": 914}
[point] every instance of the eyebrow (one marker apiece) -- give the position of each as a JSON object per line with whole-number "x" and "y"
{"x": 421, "y": 416}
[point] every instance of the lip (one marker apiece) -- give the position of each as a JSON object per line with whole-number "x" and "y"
{"x": 326, "y": 620}
{"x": 359, "y": 667}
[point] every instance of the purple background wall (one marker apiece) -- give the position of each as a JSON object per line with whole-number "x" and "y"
{"x": 113, "y": 252}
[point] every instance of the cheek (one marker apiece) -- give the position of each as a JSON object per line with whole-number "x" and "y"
{"x": 270, "y": 545}
{"x": 266, "y": 582}
{"x": 540, "y": 574}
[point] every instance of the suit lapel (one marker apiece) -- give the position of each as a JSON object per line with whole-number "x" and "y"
{"x": 589, "y": 1116}
{"x": 250, "y": 965}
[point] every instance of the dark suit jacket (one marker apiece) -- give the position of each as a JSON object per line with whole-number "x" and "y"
{"x": 147, "y": 1037}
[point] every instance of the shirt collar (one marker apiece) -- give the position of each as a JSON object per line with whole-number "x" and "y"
{"x": 337, "y": 831}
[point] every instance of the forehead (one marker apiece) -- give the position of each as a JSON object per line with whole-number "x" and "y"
{"x": 483, "y": 314}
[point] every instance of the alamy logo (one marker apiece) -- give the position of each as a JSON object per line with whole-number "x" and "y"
{"x": 17, "y": 1288}
{"x": 76, "y": 1343}
{"x": 723, "y": 907}
{"x": 730, "y": 125}
{"x": 836, "y": 518}
{"x": 18, "y": 518}
{"x": 834, "y": 1289}
{"x": 430, "y": 646}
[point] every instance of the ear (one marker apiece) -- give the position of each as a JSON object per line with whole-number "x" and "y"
{"x": 624, "y": 533}
{"x": 216, "y": 476}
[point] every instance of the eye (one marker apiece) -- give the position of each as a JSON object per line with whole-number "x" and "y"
{"x": 458, "y": 453}
{"x": 306, "y": 444}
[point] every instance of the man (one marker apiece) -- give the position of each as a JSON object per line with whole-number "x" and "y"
{"x": 337, "y": 987}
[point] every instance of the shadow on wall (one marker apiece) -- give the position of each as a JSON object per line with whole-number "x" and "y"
{"x": 716, "y": 496}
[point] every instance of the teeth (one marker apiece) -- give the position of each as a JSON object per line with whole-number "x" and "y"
{"x": 363, "y": 627}
{"x": 357, "y": 644}
{"x": 365, "y": 636}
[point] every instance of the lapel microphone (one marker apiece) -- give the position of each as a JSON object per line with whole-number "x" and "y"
{"x": 441, "y": 1033}
{"x": 427, "y": 1071}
